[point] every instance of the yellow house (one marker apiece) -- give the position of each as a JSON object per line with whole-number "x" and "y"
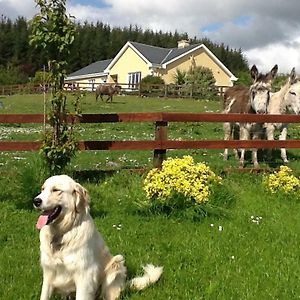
{"x": 135, "y": 61}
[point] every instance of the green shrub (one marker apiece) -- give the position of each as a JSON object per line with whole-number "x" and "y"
{"x": 152, "y": 85}
{"x": 180, "y": 77}
{"x": 278, "y": 82}
{"x": 41, "y": 77}
{"x": 244, "y": 78}
{"x": 12, "y": 75}
{"x": 150, "y": 79}
{"x": 203, "y": 83}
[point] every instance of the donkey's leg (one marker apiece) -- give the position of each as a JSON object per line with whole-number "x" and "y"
{"x": 227, "y": 134}
{"x": 282, "y": 137}
{"x": 244, "y": 135}
{"x": 270, "y": 128}
{"x": 109, "y": 98}
{"x": 259, "y": 132}
{"x": 254, "y": 158}
{"x": 236, "y": 153}
{"x": 236, "y": 136}
{"x": 256, "y": 135}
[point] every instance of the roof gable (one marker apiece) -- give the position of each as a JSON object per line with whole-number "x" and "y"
{"x": 158, "y": 56}
{"x": 152, "y": 55}
{"x": 177, "y": 53}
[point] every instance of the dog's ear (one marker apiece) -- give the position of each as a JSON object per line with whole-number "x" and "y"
{"x": 81, "y": 198}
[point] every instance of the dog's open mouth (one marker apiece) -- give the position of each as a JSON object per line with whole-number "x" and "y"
{"x": 48, "y": 216}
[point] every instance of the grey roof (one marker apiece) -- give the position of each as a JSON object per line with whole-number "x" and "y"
{"x": 158, "y": 55}
{"x": 96, "y": 67}
{"x": 152, "y": 53}
{"x": 155, "y": 55}
{"x": 175, "y": 52}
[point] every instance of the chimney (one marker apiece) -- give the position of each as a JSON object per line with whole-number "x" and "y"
{"x": 183, "y": 44}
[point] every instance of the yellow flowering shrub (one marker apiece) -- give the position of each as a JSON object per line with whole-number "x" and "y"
{"x": 282, "y": 181}
{"x": 180, "y": 177}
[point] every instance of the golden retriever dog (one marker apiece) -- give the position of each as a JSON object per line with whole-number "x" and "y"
{"x": 74, "y": 257}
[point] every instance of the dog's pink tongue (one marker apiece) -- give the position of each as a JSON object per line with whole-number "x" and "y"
{"x": 42, "y": 221}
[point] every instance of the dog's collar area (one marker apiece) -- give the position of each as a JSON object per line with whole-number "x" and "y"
{"x": 48, "y": 216}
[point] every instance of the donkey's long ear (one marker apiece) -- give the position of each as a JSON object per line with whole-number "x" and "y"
{"x": 293, "y": 76}
{"x": 271, "y": 75}
{"x": 254, "y": 72}
{"x": 81, "y": 199}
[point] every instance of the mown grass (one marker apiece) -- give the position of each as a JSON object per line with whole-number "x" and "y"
{"x": 222, "y": 256}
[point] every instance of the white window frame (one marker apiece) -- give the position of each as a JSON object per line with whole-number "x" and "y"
{"x": 134, "y": 78}
{"x": 91, "y": 85}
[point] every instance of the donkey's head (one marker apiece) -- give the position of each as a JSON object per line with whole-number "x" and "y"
{"x": 260, "y": 89}
{"x": 117, "y": 88}
{"x": 292, "y": 96}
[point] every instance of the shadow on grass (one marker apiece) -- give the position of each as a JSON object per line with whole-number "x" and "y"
{"x": 92, "y": 176}
{"x": 272, "y": 160}
{"x": 112, "y": 103}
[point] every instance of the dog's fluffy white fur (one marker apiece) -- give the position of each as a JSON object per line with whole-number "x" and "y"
{"x": 74, "y": 257}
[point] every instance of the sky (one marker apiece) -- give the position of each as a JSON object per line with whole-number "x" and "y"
{"x": 267, "y": 31}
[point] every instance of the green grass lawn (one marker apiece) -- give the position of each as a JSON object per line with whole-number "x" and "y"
{"x": 221, "y": 256}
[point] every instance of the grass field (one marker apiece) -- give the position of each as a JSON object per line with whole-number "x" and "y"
{"x": 221, "y": 256}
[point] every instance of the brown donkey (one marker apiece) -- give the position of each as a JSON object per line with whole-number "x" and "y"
{"x": 248, "y": 100}
{"x": 107, "y": 89}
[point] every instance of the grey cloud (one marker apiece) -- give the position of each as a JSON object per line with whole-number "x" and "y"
{"x": 270, "y": 21}
{"x": 24, "y": 8}
{"x": 258, "y": 33}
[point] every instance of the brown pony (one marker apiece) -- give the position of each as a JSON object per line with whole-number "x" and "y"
{"x": 107, "y": 89}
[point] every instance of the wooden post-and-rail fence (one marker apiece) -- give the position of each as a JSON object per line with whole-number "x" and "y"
{"x": 161, "y": 143}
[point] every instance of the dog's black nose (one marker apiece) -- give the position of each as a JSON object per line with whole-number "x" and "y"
{"x": 37, "y": 202}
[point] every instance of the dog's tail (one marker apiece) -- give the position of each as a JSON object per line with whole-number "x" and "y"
{"x": 151, "y": 275}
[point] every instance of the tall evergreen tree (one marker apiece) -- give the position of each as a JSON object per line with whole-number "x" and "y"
{"x": 98, "y": 41}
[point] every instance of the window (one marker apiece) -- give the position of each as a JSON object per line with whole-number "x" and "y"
{"x": 91, "y": 85}
{"x": 133, "y": 79}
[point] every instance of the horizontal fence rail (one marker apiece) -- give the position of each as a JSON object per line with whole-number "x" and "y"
{"x": 161, "y": 143}
{"x": 156, "y": 117}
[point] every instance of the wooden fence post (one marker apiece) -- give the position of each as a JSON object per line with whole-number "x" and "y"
{"x": 166, "y": 91}
{"x": 192, "y": 90}
{"x": 160, "y": 135}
